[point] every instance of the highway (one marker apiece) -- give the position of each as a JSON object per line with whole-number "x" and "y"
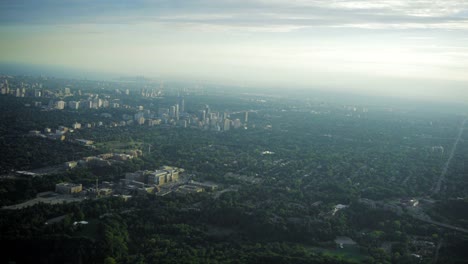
{"x": 436, "y": 188}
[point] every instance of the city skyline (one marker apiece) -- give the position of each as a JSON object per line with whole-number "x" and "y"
{"x": 385, "y": 47}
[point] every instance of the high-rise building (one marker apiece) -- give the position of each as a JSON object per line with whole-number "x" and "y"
{"x": 140, "y": 120}
{"x": 76, "y": 125}
{"x": 87, "y": 104}
{"x": 172, "y": 111}
{"x": 202, "y": 115}
{"x": 5, "y": 87}
{"x": 237, "y": 123}
{"x": 96, "y": 103}
{"x": 227, "y": 124}
{"x": 74, "y": 105}
{"x": 246, "y": 118}
{"x": 182, "y": 105}
{"x": 60, "y": 105}
{"x": 176, "y": 111}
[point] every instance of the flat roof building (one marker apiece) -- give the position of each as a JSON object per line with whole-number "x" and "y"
{"x": 68, "y": 188}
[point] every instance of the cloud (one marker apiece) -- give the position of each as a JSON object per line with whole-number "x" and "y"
{"x": 259, "y": 15}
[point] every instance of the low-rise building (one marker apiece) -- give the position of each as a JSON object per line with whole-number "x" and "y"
{"x": 138, "y": 176}
{"x": 206, "y": 186}
{"x": 68, "y": 188}
{"x": 70, "y": 164}
{"x": 159, "y": 177}
{"x": 84, "y": 142}
{"x": 34, "y": 132}
{"x": 188, "y": 189}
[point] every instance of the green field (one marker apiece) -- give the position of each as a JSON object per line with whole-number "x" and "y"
{"x": 348, "y": 252}
{"x": 119, "y": 145}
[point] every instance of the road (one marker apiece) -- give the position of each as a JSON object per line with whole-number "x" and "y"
{"x": 427, "y": 220}
{"x": 436, "y": 188}
{"x": 219, "y": 193}
{"x": 436, "y": 255}
{"x": 59, "y": 199}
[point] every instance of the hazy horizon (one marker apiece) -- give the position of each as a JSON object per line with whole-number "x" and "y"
{"x": 414, "y": 49}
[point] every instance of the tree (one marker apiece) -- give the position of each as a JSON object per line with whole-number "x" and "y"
{"x": 109, "y": 260}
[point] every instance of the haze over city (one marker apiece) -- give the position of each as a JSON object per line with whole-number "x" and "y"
{"x": 383, "y": 47}
{"x": 234, "y": 131}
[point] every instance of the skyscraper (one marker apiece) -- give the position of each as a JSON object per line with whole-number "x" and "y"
{"x": 182, "y": 105}
{"x": 37, "y": 93}
{"x": 172, "y": 111}
{"x": 227, "y": 124}
{"x": 202, "y": 115}
{"x": 176, "y": 111}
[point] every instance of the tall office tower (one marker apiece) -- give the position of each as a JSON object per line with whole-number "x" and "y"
{"x": 5, "y": 87}
{"x": 88, "y": 104}
{"x": 18, "y": 92}
{"x": 237, "y": 123}
{"x": 202, "y": 115}
{"x": 227, "y": 124}
{"x": 176, "y": 111}
{"x": 37, "y": 93}
{"x": 246, "y": 118}
{"x": 172, "y": 111}
{"x": 74, "y": 105}
{"x": 67, "y": 90}
{"x": 182, "y": 105}
{"x": 207, "y": 110}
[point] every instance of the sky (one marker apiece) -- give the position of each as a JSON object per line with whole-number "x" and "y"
{"x": 412, "y": 48}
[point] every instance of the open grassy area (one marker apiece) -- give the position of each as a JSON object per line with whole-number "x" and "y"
{"x": 119, "y": 145}
{"x": 348, "y": 252}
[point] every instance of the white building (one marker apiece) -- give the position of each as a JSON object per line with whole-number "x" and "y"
{"x": 60, "y": 105}
{"x": 76, "y": 125}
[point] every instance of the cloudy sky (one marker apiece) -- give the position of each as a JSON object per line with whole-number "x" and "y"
{"x": 390, "y": 47}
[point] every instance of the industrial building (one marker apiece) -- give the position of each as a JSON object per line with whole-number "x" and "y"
{"x": 68, "y": 188}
